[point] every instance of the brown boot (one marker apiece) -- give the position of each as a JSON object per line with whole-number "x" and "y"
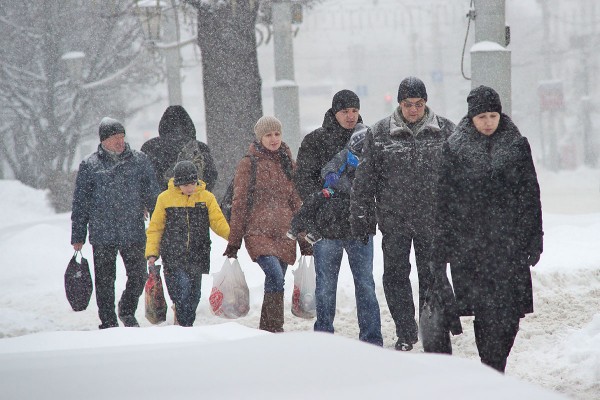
{"x": 271, "y": 315}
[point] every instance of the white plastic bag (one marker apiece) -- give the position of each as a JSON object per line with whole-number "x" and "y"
{"x": 230, "y": 297}
{"x": 303, "y": 299}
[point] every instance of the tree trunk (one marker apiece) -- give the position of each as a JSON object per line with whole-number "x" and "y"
{"x": 232, "y": 84}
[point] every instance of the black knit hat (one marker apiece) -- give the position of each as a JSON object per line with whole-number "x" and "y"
{"x": 483, "y": 99}
{"x": 412, "y": 87}
{"x": 344, "y": 99}
{"x": 185, "y": 173}
{"x": 109, "y": 127}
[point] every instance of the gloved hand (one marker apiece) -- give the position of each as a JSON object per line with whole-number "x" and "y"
{"x": 331, "y": 179}
{"x": 231, "y": 251}
{"x": 305, "y": 248}
{"x": 536, "y": 247}
{"x": 365, "y": 239}
{"x": 351, "y": 159}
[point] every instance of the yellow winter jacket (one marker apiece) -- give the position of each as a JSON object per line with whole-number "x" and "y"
{"x": 179, "y": 228}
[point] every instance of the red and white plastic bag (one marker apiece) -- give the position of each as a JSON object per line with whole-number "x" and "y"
{"x": 303, "y": 298}
{"x": 230, "y": 297}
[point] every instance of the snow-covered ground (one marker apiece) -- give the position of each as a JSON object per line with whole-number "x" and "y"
{"x": 48, "y": 350}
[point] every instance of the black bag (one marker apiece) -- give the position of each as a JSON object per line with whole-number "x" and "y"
{"x": 432, "y": 325}
{"x": 78, "y": 283}
{"x": 227, "y": 201}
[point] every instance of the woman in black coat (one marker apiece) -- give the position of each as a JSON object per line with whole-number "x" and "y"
{"x": 490, "y": 220}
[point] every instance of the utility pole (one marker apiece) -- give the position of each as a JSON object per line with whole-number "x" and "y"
{"x": 285, "y": 91}
{"x": 172, "y": 55}
{"x": 551, "y": 98}
{"x": 490, "y": 59}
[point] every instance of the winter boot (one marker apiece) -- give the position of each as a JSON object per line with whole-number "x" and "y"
{"x": 271, "y": 315}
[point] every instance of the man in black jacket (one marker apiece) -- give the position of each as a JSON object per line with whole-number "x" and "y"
{"x": 317, "y": 148}
{"x": 115, "y": 186}
{"x": 176, "y": 130}
{"x": 398, "y": 176}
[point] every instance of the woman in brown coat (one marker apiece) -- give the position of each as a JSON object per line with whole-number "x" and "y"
{"x": 264, "y": 221}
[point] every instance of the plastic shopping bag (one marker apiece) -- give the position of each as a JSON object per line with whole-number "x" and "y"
{"x": 303, "y": 298}
{"x": 156, "y": 305}
{"x": 230, "y": 297}
{"x": 78, "y": 283}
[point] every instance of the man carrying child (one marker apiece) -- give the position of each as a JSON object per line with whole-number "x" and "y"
{"x": 316, "y": 150}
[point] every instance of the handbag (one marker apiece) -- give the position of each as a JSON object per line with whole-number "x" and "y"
{"x": 303, "y": 297}
{"x": 156, "y": 305}
{"x": 78, "y": 283}
{"x": 230, "y": 296}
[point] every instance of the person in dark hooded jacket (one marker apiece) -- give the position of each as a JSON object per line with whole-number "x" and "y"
{"x": 316, "y": 150}
{"x": 490, "y": 223}
{"x": 175, "y": 130}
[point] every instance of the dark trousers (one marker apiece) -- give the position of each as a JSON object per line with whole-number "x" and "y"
{"x": 105, "y": 258}
{"x": 305, "y": 219}
{"x": 495, "y": 333}
{"x": 184, "y": 290}
{"x": 396, "y": 283}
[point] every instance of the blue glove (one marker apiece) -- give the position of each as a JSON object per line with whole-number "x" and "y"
{"x": 331, "y": 179}
{"x": 351, "y": 159}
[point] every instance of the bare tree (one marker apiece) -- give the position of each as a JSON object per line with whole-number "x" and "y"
{"x": 45, "y": 115}
{"x": 232, "y": 82}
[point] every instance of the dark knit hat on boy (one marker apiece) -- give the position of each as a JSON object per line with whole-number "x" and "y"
{"x": 109, "y": 127}
{"x": 483, "y": 99}
{"x": 344, "y": 99}
{"x": 265, "y": 125}
{"x": 185, "y": 173}
{"x": 412, "y": 88}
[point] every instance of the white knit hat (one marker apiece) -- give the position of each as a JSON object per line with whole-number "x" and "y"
{"x": 265, "y": 125}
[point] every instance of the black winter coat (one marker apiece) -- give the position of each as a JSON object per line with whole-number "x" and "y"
{"x": 316, "y": 150}
{"x": 398, "y": 176}
{"x": 490, "y": 218}
{"x": 175, "y": 130}
{"x": 110, "y": 196}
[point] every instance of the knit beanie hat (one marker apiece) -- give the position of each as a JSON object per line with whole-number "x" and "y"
{"x": 344, "y": 99}
{"x": 265, "y": 125}
{"x": 483, "y": 99}
{"x": 355, "y": 144}
{"x": 185, "y": 173}
{"x": 412, "y": 87}
{"x": 109, "y": 127}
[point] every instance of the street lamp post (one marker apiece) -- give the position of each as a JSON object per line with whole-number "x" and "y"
{"x": 151, "y": 13}
{"x": 286, "y": 104}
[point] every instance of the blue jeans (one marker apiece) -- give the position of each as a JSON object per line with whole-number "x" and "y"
{"x": 274, "y": 270}
{"x": 328, "y": 258}
{"x": 184, "y": 290}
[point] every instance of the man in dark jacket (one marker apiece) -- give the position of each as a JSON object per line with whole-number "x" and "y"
{"x": 176, "y": 130}
{"x": 317, "y": 148}
{"x": 115, "y": 186}
{"x": 398, "y": 176}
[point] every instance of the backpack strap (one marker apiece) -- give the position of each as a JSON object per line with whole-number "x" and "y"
{"x": 252, "y": 183}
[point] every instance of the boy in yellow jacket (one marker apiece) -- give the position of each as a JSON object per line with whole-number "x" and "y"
{"x": 178, "y": 233}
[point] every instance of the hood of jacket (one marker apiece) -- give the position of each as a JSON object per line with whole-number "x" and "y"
{"x": 176, "y": 125}
{"x": 399, "y": 126}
